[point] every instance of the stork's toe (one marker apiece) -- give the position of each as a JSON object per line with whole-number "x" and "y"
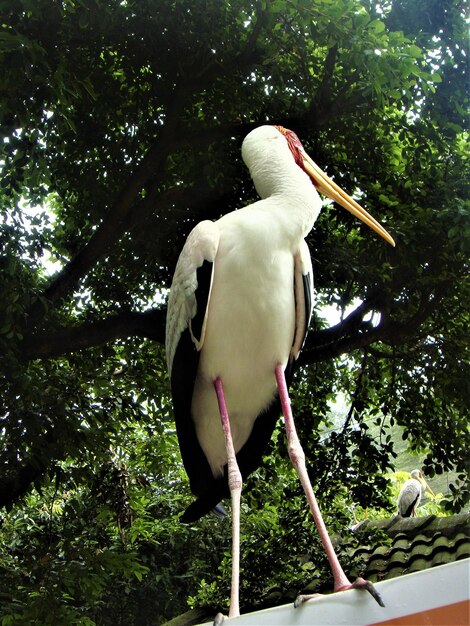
{"x": 219, "y": 619}
{"x": 304, "y": 597}
{"x": 360, "y": 583}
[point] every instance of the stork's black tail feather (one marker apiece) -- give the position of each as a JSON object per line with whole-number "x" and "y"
{"x": 219, "y": 511}
{"x": 409, "y": 510}
{"x": 207, "y": 501}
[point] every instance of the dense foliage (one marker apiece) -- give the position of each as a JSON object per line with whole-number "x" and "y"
{"x": 121, "y": 125}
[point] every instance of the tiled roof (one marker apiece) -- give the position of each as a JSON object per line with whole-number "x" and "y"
{"x": 417, "y": 543}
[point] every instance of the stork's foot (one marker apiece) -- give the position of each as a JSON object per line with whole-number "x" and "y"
{"x": 360, "y": 583}
{"x": 303, "y": 598}
{"x": 219, "y": 619}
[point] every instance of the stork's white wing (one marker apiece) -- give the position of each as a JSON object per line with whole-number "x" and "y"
{"x": 183, "y": 301}
{"x": 409, "y": 497}
{"x": 303, "y": 286}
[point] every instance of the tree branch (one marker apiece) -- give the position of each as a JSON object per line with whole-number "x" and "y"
{"x": 348, "y": 343}
{"x": 353, "y": 333}
{"x": 352, "y": 323}
{"x": 323, "y": 96}
{"x": 59, "y": 341}
{"x": 399, "y": 331}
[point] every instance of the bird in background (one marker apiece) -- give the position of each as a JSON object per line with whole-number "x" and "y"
{"x": 411, "y": 493}
{"x": 238, "y": 313}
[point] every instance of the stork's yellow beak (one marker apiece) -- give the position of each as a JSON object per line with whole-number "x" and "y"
{"x": 425, "y": 486}
{"x": 329, "y": 188}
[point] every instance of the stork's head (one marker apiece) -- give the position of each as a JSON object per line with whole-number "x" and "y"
{"x": 418, "y": 475}
{"x": 263, "y": 140}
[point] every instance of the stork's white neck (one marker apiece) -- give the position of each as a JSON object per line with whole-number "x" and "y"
{"x": 275, "y": 172}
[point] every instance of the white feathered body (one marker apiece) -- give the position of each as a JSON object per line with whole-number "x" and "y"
{"x": 250, "y": 327}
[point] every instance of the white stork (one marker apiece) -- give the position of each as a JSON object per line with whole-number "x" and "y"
{"x": 238, "y": 312}
{"x": 411, "y": 493}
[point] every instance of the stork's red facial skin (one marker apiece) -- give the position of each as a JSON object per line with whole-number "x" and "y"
{"x": 296, "y": 148}
{"x": 294, "y": 144}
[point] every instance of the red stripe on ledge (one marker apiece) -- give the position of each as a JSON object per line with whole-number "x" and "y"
{"x": 457, "y": 614}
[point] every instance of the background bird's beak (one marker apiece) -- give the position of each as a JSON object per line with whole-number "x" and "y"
{"x": 425, "y": 486}
{"x": 329, "y": 188}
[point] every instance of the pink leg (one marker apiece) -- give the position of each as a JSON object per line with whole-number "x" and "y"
{"x": 235, "y": 486}
{"x": 297, "y": 456}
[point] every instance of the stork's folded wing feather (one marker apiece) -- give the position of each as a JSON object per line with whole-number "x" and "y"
{"x": 303, "y": 287}
{"x": 186, "y": 324}
{"x": 191, "y": 287}
{"x": 409, "y": 497}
